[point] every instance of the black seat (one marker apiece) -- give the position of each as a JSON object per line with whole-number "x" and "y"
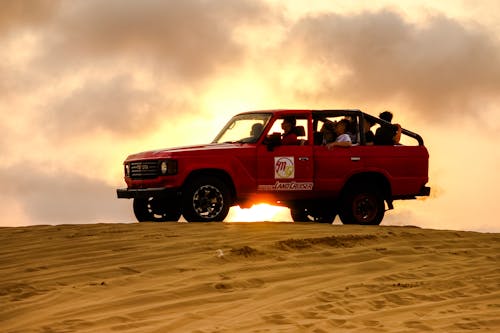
{"x": 300, "y": 131}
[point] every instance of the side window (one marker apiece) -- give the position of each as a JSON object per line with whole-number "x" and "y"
{"x": 300, "y": 128}
{"x": 325, "y": 129}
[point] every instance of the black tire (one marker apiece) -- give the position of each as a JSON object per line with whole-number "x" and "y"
{"x": 362, "y": 204}
{"x": 155, "y": 210}
{"x": 307, "y": 215}
{"x": 206, "y": 199}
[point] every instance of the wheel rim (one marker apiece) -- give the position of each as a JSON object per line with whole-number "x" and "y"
{"x": 153, "y": 209}
{"x": 365, "y": 208}
{"x": 208, "y": 201}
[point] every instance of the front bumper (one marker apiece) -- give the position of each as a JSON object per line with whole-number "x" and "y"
{"x": 126, "y": 193}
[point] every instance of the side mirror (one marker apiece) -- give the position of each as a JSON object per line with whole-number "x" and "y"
{"x": 272, "y": 141}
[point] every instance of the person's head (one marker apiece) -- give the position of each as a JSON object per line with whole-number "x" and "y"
{"x": 328, "y": 130}
{"x": 256, "y": 130}
{"x": 288, "y": 124}
{"x": 386, "y": 115}
{"x": 342, "y": 126}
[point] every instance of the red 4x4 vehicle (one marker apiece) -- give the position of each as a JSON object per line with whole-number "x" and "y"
{"x": 246, "y": 164}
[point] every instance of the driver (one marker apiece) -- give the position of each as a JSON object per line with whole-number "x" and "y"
{"x": 289, "y": 136}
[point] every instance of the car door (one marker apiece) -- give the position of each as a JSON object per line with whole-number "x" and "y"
{"x": 286, "y": 170}
{"x": 334, "y": 166}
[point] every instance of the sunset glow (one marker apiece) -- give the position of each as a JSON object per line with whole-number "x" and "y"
{"x": 84, "y": 84}
{"x": 259, "y": 212}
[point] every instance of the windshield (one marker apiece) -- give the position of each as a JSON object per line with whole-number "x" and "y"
{"x": 243, "y": 128}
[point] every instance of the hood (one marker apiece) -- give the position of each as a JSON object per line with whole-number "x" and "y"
{"x": 172, "y": 152}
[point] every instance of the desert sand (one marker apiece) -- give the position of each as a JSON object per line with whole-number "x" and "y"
{"x": 247, "y": 277}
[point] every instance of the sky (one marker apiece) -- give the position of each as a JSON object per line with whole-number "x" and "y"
{"x": 84, "y": 83}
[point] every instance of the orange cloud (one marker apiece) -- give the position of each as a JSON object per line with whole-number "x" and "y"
{"x": 103, "y": 79}
{"x": 436, "y": 67}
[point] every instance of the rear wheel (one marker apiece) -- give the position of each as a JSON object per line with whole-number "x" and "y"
{"x": 206, "y": 199}
{"x": 362, "y": 204}
{"x": 155, "y": 210}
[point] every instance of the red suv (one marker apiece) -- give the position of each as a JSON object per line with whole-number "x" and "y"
{"x": 246, "y": 164}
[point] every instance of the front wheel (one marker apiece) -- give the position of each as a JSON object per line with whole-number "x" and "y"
{"x": 206, "y": 199}
{"x": 362, "y": 204}
{"x": 155, "y": 210}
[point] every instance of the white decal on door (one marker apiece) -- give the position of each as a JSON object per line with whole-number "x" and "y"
{"x": 291, "y": 186}
{"x": 284, "y": 167}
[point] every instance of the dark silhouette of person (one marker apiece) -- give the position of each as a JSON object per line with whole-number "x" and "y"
{"x": 387, "y": 134}
{"x": 289, "y": 136}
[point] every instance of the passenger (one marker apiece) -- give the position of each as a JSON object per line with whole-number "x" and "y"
{"x": 386, "y": 115}
{"x": 351, "y": 129}
{"x": 343, "y": 139}
{"x": 328, "y": 131}
{"x": 289, "y": 136}
{"x": 255, "y": 133}
{"x": 369, "y": 136}
{"x": 387, "y": 135}
{"x": 256, "y": 130}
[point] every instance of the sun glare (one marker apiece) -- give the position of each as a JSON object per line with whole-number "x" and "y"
{"x": 230, "y": 95}
{"x": 258, "y": 213}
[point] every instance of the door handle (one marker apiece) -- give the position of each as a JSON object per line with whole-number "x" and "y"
{"x": 303, "y": 158}
{"x": 355, "y": 159}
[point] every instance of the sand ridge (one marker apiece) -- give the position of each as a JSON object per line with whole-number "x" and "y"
{"x": 247, "y": 277}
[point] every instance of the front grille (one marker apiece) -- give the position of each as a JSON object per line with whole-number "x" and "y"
{"x": 144, "y": 169}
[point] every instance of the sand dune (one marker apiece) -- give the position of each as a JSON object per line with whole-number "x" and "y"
{"x": 247, "y": 277}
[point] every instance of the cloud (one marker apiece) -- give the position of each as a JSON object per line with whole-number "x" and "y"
{"x": 136, "y": 63}
{"x": 60, "y": 196}
{"x": 116, "y": 105}
{"x": 26, "y": 13}
{"x": 436, "y": 66}
{"x": 78, "y": 72}
{"x": 189, "y": 39}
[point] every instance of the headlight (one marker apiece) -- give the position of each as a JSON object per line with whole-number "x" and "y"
{"x": 163, "y": 167}
{"x": 168, "y": 167}
{"x": 127, "y": 170}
